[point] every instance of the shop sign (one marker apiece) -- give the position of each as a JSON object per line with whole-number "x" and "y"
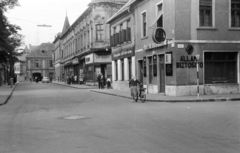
{"x": 188, "y": 62}
{"x": 122, "y": 54}
{"x": 75, "y": 61}
{"x": 152, "y": 46}
{"x": 102, "y": 58}
{"x": 159, "y": 35}
{"x": 89, "y": 59}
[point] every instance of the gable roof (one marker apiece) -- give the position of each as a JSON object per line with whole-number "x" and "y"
{"x": 123, "y": 9}
{"x": 43, "y": 50}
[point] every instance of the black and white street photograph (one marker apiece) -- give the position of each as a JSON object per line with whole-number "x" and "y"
{"x": 119, "y": 76}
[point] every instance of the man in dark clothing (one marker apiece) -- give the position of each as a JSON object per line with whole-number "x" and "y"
{"x": 133, "y": 83}
{"x": 99, "y": 80}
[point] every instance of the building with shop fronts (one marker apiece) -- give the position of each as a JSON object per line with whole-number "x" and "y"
{"x": 122, "y": 45}
{"x": 85, "y": 44}
{"x": 57, "y": 56}
{"x": 20, "y": 68}
{"x": 180, "y": 44}
{"x": 39, "y": 62}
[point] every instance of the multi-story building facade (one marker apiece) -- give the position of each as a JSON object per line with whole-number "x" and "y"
{"x": 122, "y": 44}
{"x": 187, "y": 47}
{"x": 20, "y": 68}
{"x": 57, "y": 56}
{"x": 86, "y": 45}
{"x": 39, "y": 62}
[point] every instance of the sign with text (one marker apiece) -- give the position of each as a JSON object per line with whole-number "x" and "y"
{"x": 188, "y": 62}
{"x": 122, "y": 54}
{"x": 89, "y": 59}
{"x": 102, "y": 58}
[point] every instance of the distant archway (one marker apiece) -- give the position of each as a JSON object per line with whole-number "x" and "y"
{"x": 37, "y": 75}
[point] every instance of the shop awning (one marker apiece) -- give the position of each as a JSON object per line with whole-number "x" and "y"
{"x": 154, "y": 23}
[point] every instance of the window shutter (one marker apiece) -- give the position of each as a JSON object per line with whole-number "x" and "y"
{"x": 124, "y": 35}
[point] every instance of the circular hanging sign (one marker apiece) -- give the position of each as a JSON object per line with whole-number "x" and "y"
{"x": 159, "y": 35}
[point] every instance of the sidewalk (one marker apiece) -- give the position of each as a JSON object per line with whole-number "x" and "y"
{"x": 159, "y": 97}
{"x": 5, "y": 93}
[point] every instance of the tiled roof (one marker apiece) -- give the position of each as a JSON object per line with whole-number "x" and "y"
{"x": 123, "y": 9}
{"x": 43, "y": 50}
{"x": 66, "y": 25}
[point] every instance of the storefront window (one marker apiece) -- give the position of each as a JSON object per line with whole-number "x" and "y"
{"x": 220, "y": 67}
{"x": 154, "y": 65}
{"x": 130, "y": 68}
{"x": 150, "y": 69}
{"x": 89, "y": 73}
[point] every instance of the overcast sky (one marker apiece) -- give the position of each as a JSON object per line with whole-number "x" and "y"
{"x": 50, "y": 12}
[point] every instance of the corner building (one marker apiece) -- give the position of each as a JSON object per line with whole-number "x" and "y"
{"x": 122, "y": 45}
{"x": 85, "y": 44}
{"x": 200, "y": 45}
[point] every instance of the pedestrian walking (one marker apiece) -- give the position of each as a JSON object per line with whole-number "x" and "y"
{"x": 133, "y": 83}
{"x": 102, "y": 81}
{"x": 99, "y": 80}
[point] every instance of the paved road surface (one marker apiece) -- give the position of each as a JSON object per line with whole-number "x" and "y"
{"x": 48, "y": 118}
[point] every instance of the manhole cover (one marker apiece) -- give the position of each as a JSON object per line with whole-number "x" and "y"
{"x": 75, "y": 117}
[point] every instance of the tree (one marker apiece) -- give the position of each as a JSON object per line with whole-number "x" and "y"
{"x": 10, "y": 39}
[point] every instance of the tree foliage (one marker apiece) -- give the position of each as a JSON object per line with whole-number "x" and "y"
{"x": 10, "y": 39}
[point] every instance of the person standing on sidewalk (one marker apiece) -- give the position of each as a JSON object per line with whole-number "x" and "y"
{"x": 99, "y": 80}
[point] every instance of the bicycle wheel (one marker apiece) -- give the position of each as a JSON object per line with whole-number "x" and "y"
{"x": 143, "y": 97}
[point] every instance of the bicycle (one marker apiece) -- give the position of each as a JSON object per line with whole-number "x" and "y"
{"x": 142, "y": 94}
{"x": 136, "y": 95}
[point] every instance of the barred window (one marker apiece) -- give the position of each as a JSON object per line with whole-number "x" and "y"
{"x": 220, "y": 67}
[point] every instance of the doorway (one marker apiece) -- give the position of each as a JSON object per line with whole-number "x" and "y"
{"x": 162, "y": 73}
{"x": 140, "y": 64}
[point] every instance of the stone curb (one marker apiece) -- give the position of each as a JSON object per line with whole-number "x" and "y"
{"x": 70, "y": 86}
{"x": 9, "y": 96}
{"x": 174, "y": 101}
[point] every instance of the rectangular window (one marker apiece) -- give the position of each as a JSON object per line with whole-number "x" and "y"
{"x": 205, "y": 10}
{"x": 114, "y": 37}
{"x": 99, "y": 32}
{"x": 220, "y": 67}
{"x": 121, "y": 34}
{"x": 235, "y": 13}
{"x": 50, "y": 63}
{"x": 36, "y": 63}
{"x": 150, "y": 62}
{"x": 144, "y": 24}
{"x": 128, "y": 35}
{"x": 159, "y": 11}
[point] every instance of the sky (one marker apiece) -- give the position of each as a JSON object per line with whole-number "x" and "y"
{"x": 31, "y": 13}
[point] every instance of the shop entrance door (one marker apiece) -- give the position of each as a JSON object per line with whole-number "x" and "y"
{"x": 162, "y": 73}
{"x": 140, "y": 63}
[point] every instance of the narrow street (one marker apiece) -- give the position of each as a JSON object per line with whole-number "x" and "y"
{"x": 50, "y": 118}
